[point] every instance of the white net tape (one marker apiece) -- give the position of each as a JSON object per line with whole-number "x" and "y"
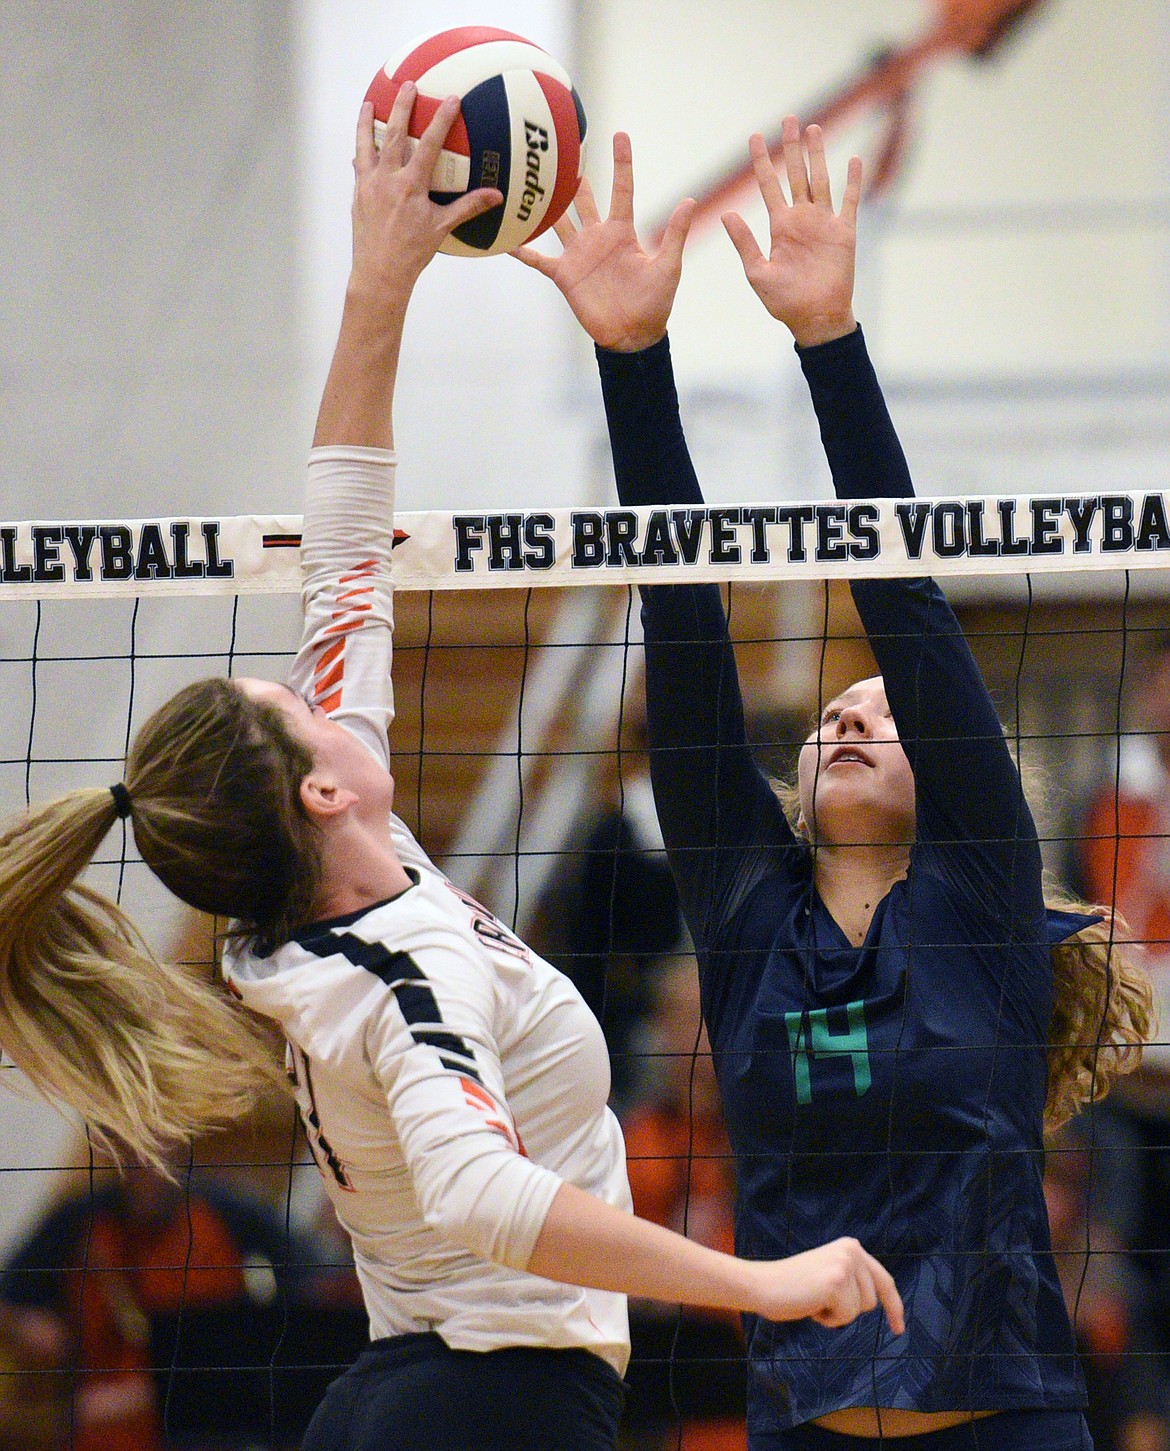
{"x": 250, "y": 554}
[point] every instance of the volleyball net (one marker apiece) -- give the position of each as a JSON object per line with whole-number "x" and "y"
{"x": 520, "y": 761}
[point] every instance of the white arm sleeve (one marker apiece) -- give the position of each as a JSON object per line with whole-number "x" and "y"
{"x": 433, "y": 1051}
{"x": 343, "y": 663}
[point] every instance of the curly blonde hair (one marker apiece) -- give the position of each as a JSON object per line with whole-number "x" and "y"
{"x": 1102, "y": 1013}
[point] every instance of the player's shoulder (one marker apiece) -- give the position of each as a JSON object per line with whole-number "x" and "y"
{"x": 339, "y": 975}
{"x": 418, "y": 919}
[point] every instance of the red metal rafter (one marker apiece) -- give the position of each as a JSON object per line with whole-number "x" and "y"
{"x": 973, "y": 28}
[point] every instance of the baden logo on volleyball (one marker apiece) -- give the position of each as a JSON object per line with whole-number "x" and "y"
{"x": 537, "y": 140}
{"x": 521, "y": 128}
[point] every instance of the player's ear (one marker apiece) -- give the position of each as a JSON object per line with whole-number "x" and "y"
{"x": 802, "y": 827}
{"x": 323, "y": 798}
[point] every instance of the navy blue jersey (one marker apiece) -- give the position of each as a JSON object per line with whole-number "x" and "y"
{"x": 892, "y": 1091}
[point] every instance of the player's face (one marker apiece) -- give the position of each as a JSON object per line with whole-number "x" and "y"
{"x": 336, "y": 752}
{"x": 855, "y": 781}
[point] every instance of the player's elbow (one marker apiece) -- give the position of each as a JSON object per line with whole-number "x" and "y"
{"x": 472, "y": 1206}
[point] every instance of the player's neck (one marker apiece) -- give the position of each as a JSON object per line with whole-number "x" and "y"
{"x": 360, "y": 867}
{"x": 851, "y": 881}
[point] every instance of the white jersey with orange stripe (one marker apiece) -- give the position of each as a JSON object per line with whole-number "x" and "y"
{"x": 450, "y": 1079}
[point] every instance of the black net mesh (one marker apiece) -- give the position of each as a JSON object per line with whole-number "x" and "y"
{"x": 214, "y": 1311}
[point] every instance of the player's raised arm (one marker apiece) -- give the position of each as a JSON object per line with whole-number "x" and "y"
{"x": 806, "y": 279}
{"x": 720, "y": 820}
{"x": 620, "y": 293}
{"x": 397, "y": 230}
{"x": 806, "y": 282}
{"x": 343, "y": 664}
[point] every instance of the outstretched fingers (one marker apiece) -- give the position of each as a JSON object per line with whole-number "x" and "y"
{"x": 540, "y": 261}
{"x": 674, "y": 238}
{"x": 621, "y": 197}
{"x": 565, "y": 230}
{"x": 818, "y": 167}
{"x": 465, "y": 208}
{"x": 855, "y": 1283}
{"x": 365, "y": 153}
{"x": 852, "y": 197}
{"x": 765, "y": 174}
{"x": 395, "y": 148}
{"x": 431, "y": 141}
{"x": 586, "y": 204}
{"x": 794, "y": 164}
{"x": 743, "y": 240}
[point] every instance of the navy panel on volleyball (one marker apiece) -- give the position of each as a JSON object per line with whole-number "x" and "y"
{"x": 485, "y": 113}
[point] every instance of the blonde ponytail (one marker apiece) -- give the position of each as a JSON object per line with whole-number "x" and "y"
{"x": 146, "y": 1052}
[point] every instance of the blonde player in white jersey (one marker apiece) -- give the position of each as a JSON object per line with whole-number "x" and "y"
{"x": 452, "y": 1083}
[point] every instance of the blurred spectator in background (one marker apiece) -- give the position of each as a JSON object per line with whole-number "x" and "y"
{"x": 1126, "y": 838}
{"x": 688, "y": 1364}
{"x": 1109, "y": 1302}
{"x": 1125, "y": 861}
{"x": 34, "y": 1388}
{"x": 173, "y": 1308}
{"x": 619, "y": 912}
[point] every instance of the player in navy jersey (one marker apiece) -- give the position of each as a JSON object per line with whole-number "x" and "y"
{"x": 878, "y": 977}
{"x": 453, "y": 1085}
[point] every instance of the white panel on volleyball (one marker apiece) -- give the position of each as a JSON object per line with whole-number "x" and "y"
{"x": 486, "y": 412}
{"x": 452, "y": 172}
{"x": 455, "y": 73}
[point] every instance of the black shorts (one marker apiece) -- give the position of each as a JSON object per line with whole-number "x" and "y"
{"x": 413, "y": 1393}
{"x": 1006, "y": 1431}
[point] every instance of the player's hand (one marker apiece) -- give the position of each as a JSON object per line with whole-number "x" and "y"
{"x": 620, "y": 294}
{"x": 832, "y": 1285}
{"x": 397, "y": 229}
{"x": 806, "y": 280}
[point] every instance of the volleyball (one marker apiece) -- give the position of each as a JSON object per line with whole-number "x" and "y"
{"x": 521, "y": 129}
